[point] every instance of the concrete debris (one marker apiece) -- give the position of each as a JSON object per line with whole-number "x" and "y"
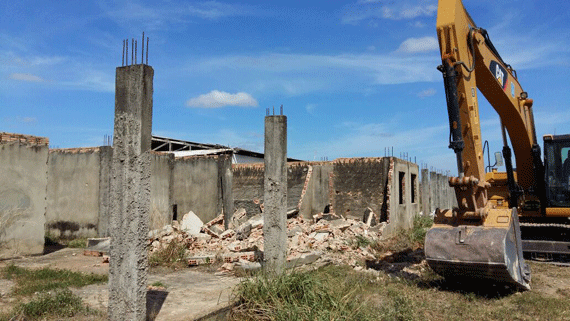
{"x": 370, "y": 218}
{"x": 191, "y": 223}
{"x": 329, "y": 240}
{"x": 92, "y": 253}
{"x": 101, "y": 244}
{"x": 243, "y": 231}
{"x": 239, "y": 217}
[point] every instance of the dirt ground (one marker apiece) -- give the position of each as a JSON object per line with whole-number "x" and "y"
{"x": 192, "y": 292}
{"x": 189, "y": 293}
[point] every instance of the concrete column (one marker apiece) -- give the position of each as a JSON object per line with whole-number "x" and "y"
{"x": 106, "y": 158}
{"x": 440, "y": 199}
{"x": 130, "y": 193}
{"x": 432, "y": 191}
{"x": 425, "y": 192}
{"x": 225, "y": 177}
{"x": 275, "y": 194}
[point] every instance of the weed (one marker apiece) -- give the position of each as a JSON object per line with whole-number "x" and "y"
{"x": 62, "y": 303}
{"x": 31, "y": 281}
{"x": 50, "y": 240}
{"x": 172, "y": 255}
{"x": 158, "y": 284}
{"x": 407, "y": 239}
{"x": 358, "y": 241}
{"x": 79, "y": 243}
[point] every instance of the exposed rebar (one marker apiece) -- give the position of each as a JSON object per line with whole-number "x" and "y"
{"x": 142, "y": 49}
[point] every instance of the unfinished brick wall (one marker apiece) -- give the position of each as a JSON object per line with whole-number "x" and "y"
{"x": 248, "y": 185}
{"x": 24, "y": 139}
{"x": 358, "y": 183}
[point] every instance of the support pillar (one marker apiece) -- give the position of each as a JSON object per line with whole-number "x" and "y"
{"x": 275, "y": 194}
{"x": 433, "y": 191}
{"x": 130, "y": 193}
{"x": 425, "y": 192}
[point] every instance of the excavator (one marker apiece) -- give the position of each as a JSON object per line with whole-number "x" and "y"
{"x": 499, "y": 215}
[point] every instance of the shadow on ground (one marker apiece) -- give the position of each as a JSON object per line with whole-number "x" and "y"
{"x": 401, "y": 264}
{"x": 154, "y": 301}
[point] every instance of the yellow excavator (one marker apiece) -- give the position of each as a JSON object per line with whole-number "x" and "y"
{"x": 499, "y": 215}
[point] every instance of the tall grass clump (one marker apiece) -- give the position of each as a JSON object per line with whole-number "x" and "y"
{"x": 314, "y": 295}
{"x": 173, "y": 254}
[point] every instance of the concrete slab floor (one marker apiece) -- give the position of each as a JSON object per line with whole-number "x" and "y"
{"x": 189, "y": 294}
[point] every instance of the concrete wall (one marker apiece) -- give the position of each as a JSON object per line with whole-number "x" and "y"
{"x": 161, "y": 203}
{"x": 78, "y": 191}
{"x": 23, "y": 181}
{"x": 404, "y": 198}
{"x": 358, "y": 183}
{"x": 247, "y": 185}
{"x": 199, "y": 185}
{"x": 317, "y": 194}
{"x": 436, "y": 192}
{"x": 74, "y": 191}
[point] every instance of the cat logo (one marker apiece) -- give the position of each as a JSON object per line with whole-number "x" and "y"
{"x": 500, "y": 73}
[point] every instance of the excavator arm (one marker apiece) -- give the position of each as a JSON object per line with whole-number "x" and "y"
{"x": 468, "y": 51}
{"x": 477, "y": 239}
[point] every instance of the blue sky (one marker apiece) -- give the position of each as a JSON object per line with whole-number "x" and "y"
{"x": 354, "y": 77}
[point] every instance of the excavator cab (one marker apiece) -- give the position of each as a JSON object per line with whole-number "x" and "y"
{"x": 557, "y": 169}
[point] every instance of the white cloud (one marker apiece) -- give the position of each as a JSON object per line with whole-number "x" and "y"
{"x": 396, "y": 10}
{"x": 371, "y": 139}
{"x": 21, "y": 120}
{"x": 164, "y": 15}
{"x": 424, "y": 44}
{"x": 426, "y": 93}
{"x": 26, "y": 77}
{"x": 299, "y": 74}
{"x": 311, "y": 108}
{"x": 414, "y": 12}
{"x": 217, "y": 99}
{"x": 370, "y": 48}
{"x": 419, "y": 24}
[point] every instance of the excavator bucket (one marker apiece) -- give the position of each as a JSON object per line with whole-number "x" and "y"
{"x": 492, "y": 251}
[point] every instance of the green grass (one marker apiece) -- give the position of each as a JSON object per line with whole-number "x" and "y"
{"x": 340, "y": 293}
{"x": 50, "y": 240}
{"x": 300, "y": 296}
{"x": 30, "y": 281}
{"x": 50, "y": 297}
{"x": 60, "y": 304}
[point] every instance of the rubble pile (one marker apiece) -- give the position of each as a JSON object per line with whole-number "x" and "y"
{"x": 326, "y": 238}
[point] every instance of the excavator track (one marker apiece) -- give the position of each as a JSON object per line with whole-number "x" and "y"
{"x": 546, "y": 241}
